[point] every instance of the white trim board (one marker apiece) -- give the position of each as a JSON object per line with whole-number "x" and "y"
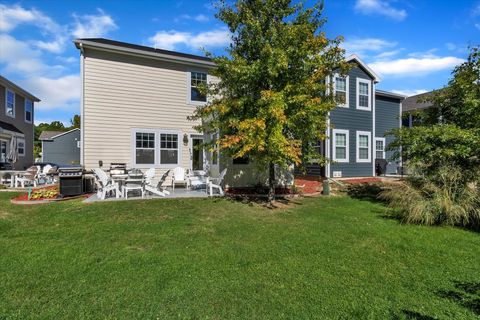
{"x": 347, "y": 145}
{"x": 357, "y": 146}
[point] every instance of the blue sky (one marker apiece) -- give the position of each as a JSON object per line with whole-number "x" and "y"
{"x": 412, "y": 44}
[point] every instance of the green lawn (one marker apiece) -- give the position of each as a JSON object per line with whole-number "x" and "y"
{"x": 329, "y": 258}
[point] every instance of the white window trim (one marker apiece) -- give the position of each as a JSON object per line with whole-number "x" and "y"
{"x": 347, "y": 92}
{"x": 347, "y": 146}
{"x": 24, "y": 147}
{"x": 189, "y": 88}
{"x": 384, "y": 146}
{"x": 369, "y": 83}
{"x": 157, "y": 149}
{"x": 6, "y": 102}
{"x": 25, "y": 111}
{"x": 364, "y": 133}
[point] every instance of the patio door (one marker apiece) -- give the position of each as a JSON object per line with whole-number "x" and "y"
{"x": 3, "y": 150}
{"x": 197, "y": 154}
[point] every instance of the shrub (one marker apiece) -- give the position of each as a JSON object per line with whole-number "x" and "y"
{"x": 444, "y": 198}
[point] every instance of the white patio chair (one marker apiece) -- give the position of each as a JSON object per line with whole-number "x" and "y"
{"x": 28, "y": 178}
{"x": 180, "y": 177}
{"x": 151, "y": 186}
{"x": 43, "y": 174}
{"x": 216, "y": 183}
{"x": 105, "y": 184}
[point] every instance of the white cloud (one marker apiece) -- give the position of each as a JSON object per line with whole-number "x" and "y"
{"x": 387, "y": 54}
{"x": 61, "y": 93}
{"x": 476, "y": 10}
{"x": 414, "y": 66}
{"x": 362, "y": 46}
{"x": 477, "y": 25}
{"x": 18, "y": 57}
{"x": 93, "y": 26}
{"x": 381, "y": 7}
{"x": 169, "y": 40}
{"x": 410, "y": 92}
{"x": 14, "y": 15}
{"x": 198, "y": 18}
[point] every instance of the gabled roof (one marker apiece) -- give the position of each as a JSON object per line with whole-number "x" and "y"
{"x": 9, "y": 84}
{"x": 49, "y": 135}
{"x": 130, "y": 48}
{"x": 389, "y": 94}
{"x": 9, "y": 127}
{"x": 362, "y": 64}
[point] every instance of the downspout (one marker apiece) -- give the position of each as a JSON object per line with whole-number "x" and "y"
{"x": 82, "y": 112}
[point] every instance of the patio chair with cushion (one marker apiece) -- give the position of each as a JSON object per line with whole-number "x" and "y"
{"x": 28, "y": 178}
{"x": 105, "y": 184}
{"x": 180, "y": 177}
{"x": 155, "y": 187}
{"x": 216, "y": 183}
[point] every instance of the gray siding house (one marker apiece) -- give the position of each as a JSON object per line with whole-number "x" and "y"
{"x": 135, "y": 103}
{"x": 16, "y": 122}
{"x": 61, "y": 148}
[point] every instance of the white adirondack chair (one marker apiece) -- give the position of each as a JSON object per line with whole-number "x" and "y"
{"x": 29, "y": 178}
{"x": 216, "y": 183}
{"x": 151, "y": 186}
{"x": 180, "y": 177}
{"x": 105, "y": 184}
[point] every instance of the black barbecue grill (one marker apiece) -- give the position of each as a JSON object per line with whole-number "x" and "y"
{"x": 71, "y": 181}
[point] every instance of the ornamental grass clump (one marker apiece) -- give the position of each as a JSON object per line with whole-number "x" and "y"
{"x": 445, "y": 198}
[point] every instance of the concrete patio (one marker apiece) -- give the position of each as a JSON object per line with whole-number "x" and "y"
{"x": 177, "y": 193}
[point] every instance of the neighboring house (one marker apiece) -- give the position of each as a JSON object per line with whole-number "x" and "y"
{"x": 135, "y": 102}
{"x": 16, "y": 122}
{"x": 413, "y": 104}
{"x": 61, "y": 148}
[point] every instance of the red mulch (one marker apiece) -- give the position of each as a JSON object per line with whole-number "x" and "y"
{"x": 362, "y": 180}
{"x": 239, "y": 191}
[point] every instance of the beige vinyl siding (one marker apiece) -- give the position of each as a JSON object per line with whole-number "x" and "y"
{"x": 122, "y": 93}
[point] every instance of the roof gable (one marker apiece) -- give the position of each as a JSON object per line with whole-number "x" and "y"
{"x": 364, "y": 66}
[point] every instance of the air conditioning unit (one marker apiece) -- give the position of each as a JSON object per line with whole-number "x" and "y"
{"x": 337, "y": 174}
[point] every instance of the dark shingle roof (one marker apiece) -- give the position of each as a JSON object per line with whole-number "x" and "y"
{"x": 9, "y": 127}
{"x": 48, "y": 135}
{"x": 412, "y": 103}
{"x": 142, "y": 48}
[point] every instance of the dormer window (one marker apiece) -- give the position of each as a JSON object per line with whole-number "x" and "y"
{"x": 197, "y": 80}
{"x": 341, "y": 90}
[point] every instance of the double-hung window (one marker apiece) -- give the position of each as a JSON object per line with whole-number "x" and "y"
{"x": 340, "y": 145}
{"x": 168, "y": 148}
{"x": 363, "y": 146}
{"x": 364, "y": 94}
{"x": 21, "y": 147}
{"x": 28, "y": 110}
{"x": 144, "y": 147}
{"x": 10, "y": 103}
{"x": 341, "y": 91}
{"x": 197, "y": 80}
{"x": 156, "y": 148}
{"x": 379, "y": 148}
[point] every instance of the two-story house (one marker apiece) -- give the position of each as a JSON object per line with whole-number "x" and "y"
{"x": 135, "y": 102}
{"x": 16, "y": 122}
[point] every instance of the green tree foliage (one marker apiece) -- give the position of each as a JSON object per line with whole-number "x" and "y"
{"x": 75, "y": 122}
{"x": 52, "y": 126}
{"x": 443, "y": 153}
{"x": 270, "y": 102}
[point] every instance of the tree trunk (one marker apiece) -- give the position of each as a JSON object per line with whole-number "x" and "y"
{"x": 271, "y": 182}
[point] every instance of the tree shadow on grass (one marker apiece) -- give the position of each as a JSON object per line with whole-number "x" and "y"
{"x": 465, "y": 294}
{"x": 366, "y": 191}
{"x": 413, "y": 315}
{"x": 280, "y": 202}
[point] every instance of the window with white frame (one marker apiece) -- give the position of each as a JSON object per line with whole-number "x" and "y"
{"x": 363, "y": 146}
{"x": 197, "y": 80}
{"x": 28, "y": 110}
{"x": 168, "y": 148}
{"x": 10, "y": 103}
{"x": 379, "y": 148}
{"x": 363, "y": 94}
{"x": 21, "y": 147}
{"x": 341, "y": 90}
{"x": 340, "y": 145}
{"x": 144, "y": 148}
